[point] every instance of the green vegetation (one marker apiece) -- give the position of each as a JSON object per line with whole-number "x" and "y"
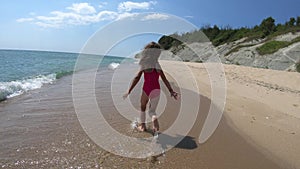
{"x": 169, "y": 41}
{"x": 272, "y": 47}
{"x": 267, "y": 26}
{"x": 199, "y": 61}
{"x": 295, "y": 40}
{"x": 267, "y": 29}
{"x": 298, "y": 66}
{"x": 218, "y": 36}
{"x": 237, "y": 48}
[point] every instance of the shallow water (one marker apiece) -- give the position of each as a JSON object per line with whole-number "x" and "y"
{"x": 40, "y": 129}
{"x": 22, "y": 71}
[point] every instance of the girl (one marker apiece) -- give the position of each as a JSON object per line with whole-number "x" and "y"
{"x": 151, "y": 88}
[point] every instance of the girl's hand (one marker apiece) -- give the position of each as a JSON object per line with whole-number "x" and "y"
{"x": 125, "y": 95}
{"x": 174, "y": 94}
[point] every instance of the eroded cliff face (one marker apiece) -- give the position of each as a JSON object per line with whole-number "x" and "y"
{"x": 240, "y": 52}
{"x": 283, "y": 59}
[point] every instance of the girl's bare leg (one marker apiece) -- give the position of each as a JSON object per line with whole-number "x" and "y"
{"x": 144, "y": 101}
{"x": 152, "y": 109}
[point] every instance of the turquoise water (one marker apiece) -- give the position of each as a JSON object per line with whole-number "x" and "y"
{"x": 21, "y": 71}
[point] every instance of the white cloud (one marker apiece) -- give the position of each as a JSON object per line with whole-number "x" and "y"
{"x": 82, "y": 8}
{"x": 126, "y": 15}
{"x": 59, "y": 19}
{"x": 106, "y": 15}
{"x": 25, "y": 19}
{"x": 85, "y": 14}
{"x": 155, "y": 16}
{"x": 129, "y": 5}
{"x": 46, "y": 25}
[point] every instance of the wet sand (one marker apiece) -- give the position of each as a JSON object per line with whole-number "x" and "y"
{"x": 40, "y": 129}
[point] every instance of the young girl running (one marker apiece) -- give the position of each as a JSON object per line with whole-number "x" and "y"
{"x": 151, "y": 70}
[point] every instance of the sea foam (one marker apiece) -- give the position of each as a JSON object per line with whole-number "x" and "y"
{"x": 113, "y": 66}
{"x": 15, "y": 88}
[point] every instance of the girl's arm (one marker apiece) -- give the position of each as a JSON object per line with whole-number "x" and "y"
{"x": 165, "y": 80}
{"x": 133, "y": 83}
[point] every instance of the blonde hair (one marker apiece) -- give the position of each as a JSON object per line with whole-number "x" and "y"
{"x": 150, "y": 55}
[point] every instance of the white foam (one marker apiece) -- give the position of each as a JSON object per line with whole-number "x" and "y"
{"x": 15, "y": 88}
{"x": 113, "y": 66}
{"x": 134, "y": 124}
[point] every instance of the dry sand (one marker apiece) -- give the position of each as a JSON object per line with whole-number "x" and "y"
{"x": 263, "y": 106}
{"x": 259, "y": 128}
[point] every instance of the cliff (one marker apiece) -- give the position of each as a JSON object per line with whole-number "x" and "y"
{"x": 243, "y": 52}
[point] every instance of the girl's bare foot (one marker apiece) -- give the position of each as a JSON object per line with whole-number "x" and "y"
{"x": 155, "y": 124}
{"x": 142, "y": 127}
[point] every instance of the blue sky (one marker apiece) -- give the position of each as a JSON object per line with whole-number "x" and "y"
{"x": 67, "y": 25}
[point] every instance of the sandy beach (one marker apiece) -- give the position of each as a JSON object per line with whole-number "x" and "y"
{"x": 259, "y": 129}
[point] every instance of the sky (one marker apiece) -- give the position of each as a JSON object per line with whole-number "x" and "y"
{"x": 71, "y": 25}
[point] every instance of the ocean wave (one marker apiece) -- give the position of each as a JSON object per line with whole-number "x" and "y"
{"x": 113, "y": 66}
{"x": 63, "y": 73}
{"x": 15, "y": 88}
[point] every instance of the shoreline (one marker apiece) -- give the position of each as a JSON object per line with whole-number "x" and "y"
{"x": 41, "y": 130}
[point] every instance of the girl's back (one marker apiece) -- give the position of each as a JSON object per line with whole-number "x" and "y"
{"x": 151, "y": 82}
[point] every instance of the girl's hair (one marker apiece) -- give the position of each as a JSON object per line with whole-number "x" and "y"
{"x": 152, "y": 45}
{"x": 150, "y": 55}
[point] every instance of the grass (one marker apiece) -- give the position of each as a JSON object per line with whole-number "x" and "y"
{"x": 296, "y": 40}
{"x": 283, "y": 31}
{"x": 272, "y": 47}
{"x": 199, "y": 61}
{"x": 238, "y": 48}
{"x": 298, "y": 66}
{"x": 237, "y": 63}
{"x": 268, "y": 48}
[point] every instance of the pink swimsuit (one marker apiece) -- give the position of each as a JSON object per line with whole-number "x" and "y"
{"x": 151, "y": 83}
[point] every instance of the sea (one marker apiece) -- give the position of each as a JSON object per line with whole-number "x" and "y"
{"x": 24, "y": 70}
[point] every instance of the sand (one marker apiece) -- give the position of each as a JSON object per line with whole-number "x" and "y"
{"x": 263, "y": 107}
{"x": 259, "y": 128}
